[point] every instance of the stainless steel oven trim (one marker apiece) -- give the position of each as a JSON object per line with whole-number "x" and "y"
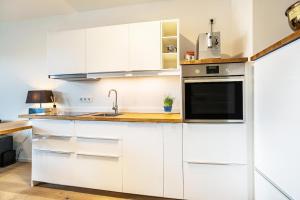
{"x": 213, "y": 79}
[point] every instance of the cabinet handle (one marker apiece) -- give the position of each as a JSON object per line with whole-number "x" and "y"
{"x": 98, "y": 138}
{"x": 43, "y": 136}
{"x": 98, "y": 155}
{"x": 213, "y": 163}
{"x": 54, "y": 151}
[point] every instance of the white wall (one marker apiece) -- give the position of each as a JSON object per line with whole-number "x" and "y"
{"x": 270, "y": 22}
{"x": 242, "y": 21}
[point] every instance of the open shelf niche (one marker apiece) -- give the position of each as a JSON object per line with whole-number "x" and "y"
{"x": 170, "y": 38}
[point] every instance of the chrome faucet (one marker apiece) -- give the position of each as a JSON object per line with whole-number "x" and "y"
{"x": 115, "y": 103}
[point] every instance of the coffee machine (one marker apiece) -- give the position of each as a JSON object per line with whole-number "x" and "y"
{"x": 209, "y": 44}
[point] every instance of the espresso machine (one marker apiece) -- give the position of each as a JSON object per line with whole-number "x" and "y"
{"x": 209, "y": 44}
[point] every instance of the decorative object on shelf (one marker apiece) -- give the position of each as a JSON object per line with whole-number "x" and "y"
{"x": 209, "y": 44}
{"x": 54, "y": 109}
{"x": 168, "y": 103}
{"x": 39, "y": 96}
{"x": 293, "y": 14}
{"x": 190, "y": 55}
{"x": 170, "y": 44}
{"x": 171, "y": 49}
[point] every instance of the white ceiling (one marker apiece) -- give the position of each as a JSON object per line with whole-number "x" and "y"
{"x": 11, "y": 10}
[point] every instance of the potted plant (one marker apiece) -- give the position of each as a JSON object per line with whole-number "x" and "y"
{"x": 168, "y": 103}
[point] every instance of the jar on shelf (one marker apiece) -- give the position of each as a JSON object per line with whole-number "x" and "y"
{"x": 190, "y": 55}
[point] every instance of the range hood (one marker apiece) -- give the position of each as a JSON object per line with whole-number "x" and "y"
{"x": 118, "y": 74}
{"x": 72, "y": 77}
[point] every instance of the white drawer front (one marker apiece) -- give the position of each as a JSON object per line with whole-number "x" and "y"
{"x": 99, "y": 172}
{"x": 53, "y": 143}
{"x": 101, "y": 130}
{"x": 215, "y": 182}
{"x": 53, "y": 127}
{"x": 216, "y": 143}
{"x": 96, "y": 146}
{"x": 53, "y": 167}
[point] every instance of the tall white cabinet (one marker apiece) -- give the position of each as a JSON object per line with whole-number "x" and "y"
{"x": 276, "y": 117}
{"x": 66, "y": 52}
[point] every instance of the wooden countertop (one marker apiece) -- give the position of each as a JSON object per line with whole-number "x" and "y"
{"x": 124, "y": 117}
{"x": 215, "y": 61}
{"x": 13, "y": 127}
{"x": 281, "y": 43}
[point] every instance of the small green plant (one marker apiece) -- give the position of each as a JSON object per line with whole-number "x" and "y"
{"x": 168, "y": 101}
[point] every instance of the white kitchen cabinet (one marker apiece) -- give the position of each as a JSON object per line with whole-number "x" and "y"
{"x": 53, "y": 166}
{"x": 99, "y": 171}
{"x": 138, "y": 158}
{"x": 143, "y": 159}
{"x": 215, "y": 182}
{"x": 66, "y": 52}
{"x": 173, "y": 172}
{"x": 145, "y": 46}
{"x": 276, "y": 117}
{"x": 265, "y": 190}
{"x": 215, "y": 143}
{"x": 99, "y": 138}
{"x": 107, "y": 48}
{"x": 99, "y": 154}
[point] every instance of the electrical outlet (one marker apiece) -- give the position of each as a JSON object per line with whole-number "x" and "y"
{"x": 86, "y": 99}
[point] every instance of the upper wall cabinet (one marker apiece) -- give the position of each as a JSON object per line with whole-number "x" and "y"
{"x": 66, "y": 52}
{"x": 129, "y": 47}
{"x": 107, "y": 48}
{"x": 145, "y": 46}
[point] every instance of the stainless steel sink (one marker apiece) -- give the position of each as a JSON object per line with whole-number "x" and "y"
{"x": 106, "y": 115}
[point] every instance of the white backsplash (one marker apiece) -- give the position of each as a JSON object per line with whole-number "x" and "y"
{"x": 134, "y": 94}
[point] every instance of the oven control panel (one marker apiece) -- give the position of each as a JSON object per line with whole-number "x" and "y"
{"x": 214, "y": 69}
{"x": 235, "y": 69}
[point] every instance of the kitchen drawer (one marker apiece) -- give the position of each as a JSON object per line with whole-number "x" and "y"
{"x": 60, "y": 143}
{"x": 99, "y": 146}
{"x": 53, "y": 127}
{"x": 100, "y": 130}
{"x": 102, "y": 171}
{"x": 53, "y": 166}
{"x": 216, "y": 143}
{"x": 215, "y": 182}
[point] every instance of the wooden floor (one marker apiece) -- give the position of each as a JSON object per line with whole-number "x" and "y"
{"x": 15, "y": 185}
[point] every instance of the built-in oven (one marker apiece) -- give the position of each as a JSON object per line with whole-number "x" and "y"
{"x": 213, "y": 93}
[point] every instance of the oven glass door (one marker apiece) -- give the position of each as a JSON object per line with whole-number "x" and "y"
{"x": 216, "y": 99}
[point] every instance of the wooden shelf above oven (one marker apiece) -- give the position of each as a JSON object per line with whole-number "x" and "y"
{"x": 215, "y": 61}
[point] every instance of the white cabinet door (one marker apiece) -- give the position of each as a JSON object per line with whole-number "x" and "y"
{"x": 107, "y": 48}
{"x": 102, "y": 172}
{"x": 215, "y": 182}
{"x": 215, "y": 143}
{"x": 145, "y": 46}
{"x": 66, "y": 51}
{"x": 143, "y": 159}
{"x": 53, "y": 166}
{"x": 173, "y": 172}
{"x": 99, "y": 154}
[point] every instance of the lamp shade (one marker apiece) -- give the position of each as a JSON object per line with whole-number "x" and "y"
{"x": 39, "y": 96}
